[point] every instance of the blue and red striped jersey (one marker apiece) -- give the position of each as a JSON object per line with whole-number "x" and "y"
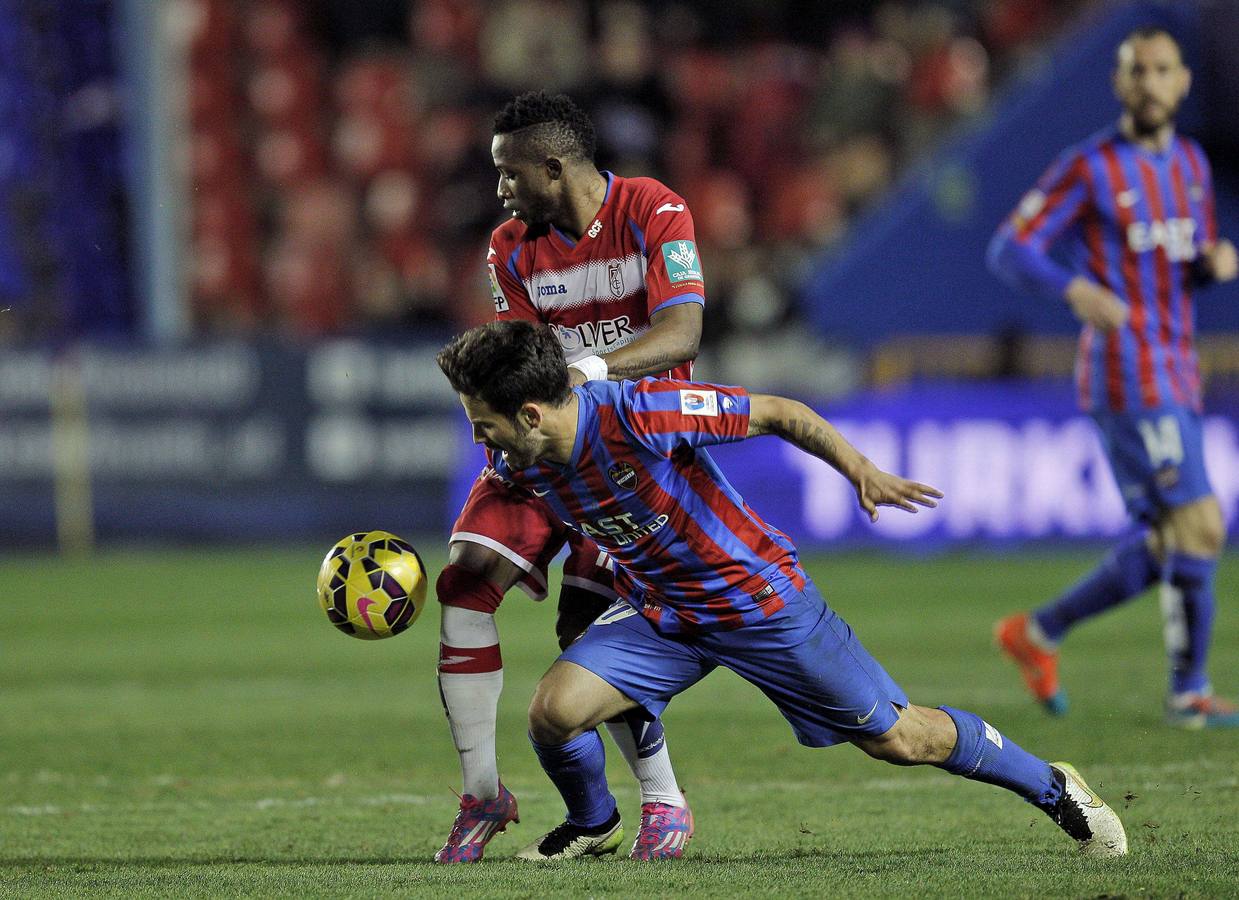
{"x": 1133, "y": 220}
{"x": 689, "y": 552}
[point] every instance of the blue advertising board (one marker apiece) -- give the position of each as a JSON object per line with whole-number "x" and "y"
{"x": 234, "y": 441}
{"x": 1015, "y": 460}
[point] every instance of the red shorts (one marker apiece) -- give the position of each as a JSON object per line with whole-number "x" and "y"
{"x": 523, "y": 530}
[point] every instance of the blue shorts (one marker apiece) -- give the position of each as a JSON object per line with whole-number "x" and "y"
{"x": 1158, "y": 458}
{"x": 804, "y": 657}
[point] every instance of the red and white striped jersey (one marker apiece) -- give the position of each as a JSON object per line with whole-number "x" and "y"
{"x": 639, "y": 256}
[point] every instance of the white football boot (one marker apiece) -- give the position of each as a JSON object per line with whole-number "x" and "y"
{"x": 1086, "y": 817}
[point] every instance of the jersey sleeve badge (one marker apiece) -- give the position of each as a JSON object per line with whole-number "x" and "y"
{"x": 1030, "y": 205}
{"x": 496, "y": 291}
{"x": 698, "y": 403}
{"x": 682, "y": 262}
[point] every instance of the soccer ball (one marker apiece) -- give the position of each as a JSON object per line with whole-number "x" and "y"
{"x": 372, "y": 585}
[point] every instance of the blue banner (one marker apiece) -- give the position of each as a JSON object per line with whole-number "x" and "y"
{"x": 1015, "y": 460}
{"x": 235, "y": 441}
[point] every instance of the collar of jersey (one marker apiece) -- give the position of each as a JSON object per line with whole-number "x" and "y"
{"x": 1156, "y": 155}
{"x": 581, "y": 421}
{"x": 572, "y": 245}
{"x": 578, "y": 443}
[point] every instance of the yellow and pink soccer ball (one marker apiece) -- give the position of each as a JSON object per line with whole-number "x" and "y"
{"x": 372, "y": 585}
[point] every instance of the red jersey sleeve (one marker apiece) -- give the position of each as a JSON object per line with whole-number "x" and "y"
{"x": 507, "y": 290}
{"x": 673, "y": 267}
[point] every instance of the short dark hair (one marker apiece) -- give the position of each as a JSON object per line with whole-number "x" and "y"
{"x": 552, "y": 124}
{"x": 506, "y": 365}
{"x": 1146, "y": 33}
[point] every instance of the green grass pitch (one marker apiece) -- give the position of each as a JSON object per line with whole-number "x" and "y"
{"x": 183, "y": 723}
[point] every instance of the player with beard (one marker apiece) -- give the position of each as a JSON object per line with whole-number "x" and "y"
{"x": 1134, "y": 208}
{"x": 612, "y": 264}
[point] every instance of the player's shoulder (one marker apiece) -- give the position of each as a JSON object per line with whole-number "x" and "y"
{"x": 1089, "y": 147}
{"x": 601, "y": 392}
{"x": 507, "y": 237}
{"x": 1191, "y": 146}
{"x": 504, "y": 238}
{"x": 644, "y": 196}
{"x": 618, "y": 394}
{"x": 507, "y": 245}
{"x": 651, "y": 393}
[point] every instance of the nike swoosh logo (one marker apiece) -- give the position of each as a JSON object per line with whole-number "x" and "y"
{"x": 454, "y": 660}
{"x": 539, "y": 493}
{"x": 363, "y": 607}
{"x": 861, "y": 720}
{"x": 670, "y": 207}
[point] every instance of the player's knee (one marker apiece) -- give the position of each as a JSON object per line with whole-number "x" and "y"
{"x": 486, "y": 563}
{"x": 892, "y": 747}
{"x": 1199, "y": 530}
{"x": 553, "y": 718}
{"x": 1209, "y": 533}
{"x": 459, "y": 585}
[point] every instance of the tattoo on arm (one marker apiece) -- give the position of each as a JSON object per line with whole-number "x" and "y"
{"x": 671, "y": 340}
{"x": 808, "y": 436}
{"x": 802, "y": 427}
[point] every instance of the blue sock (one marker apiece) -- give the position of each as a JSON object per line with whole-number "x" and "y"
{"x": 579, "y": 769}
{"x": 1128, "y": 570}
{"x": 1187, "y": 610}
{"x": 982, "y": 754}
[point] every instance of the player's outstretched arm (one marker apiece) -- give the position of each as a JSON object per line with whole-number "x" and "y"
{"x": 801, "y": 426}
{"x": 672, "y": 340}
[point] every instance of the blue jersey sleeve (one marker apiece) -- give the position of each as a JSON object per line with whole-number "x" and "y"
{"x": 665, "y": 415}
{"x": 1019, "y": 251}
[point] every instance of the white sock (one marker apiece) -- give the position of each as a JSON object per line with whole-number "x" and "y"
{"x": 653, "y": 772}
{"x": 471, "y": 680}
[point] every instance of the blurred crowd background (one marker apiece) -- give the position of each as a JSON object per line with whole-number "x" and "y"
{"x": 336, "y": 153}
{"x": 233, "y": 234}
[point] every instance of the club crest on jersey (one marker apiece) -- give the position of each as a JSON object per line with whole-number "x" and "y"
{"x": 496, "y": 292}
{"x": 615, "y": 279}
{"x": 698, "y": 403}
{"x": 624, "y": 476}
{"x": 682, "y": 262}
